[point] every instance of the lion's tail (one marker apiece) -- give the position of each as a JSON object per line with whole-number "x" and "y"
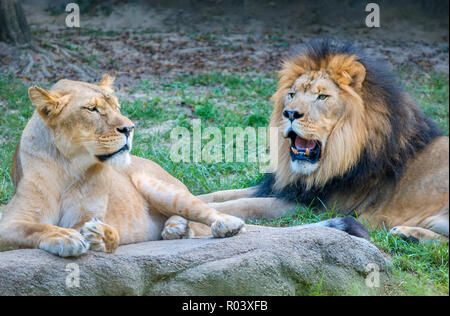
{"x": 348, "y": 225}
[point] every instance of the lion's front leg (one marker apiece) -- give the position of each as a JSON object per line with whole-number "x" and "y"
{"x": 256, "y": 208}
{"x": 417, "y": 234}
{"x": 173, "y": 200}
{"x": 227, "y": 195}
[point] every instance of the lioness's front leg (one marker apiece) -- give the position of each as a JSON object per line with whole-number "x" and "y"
{"x": 177, "y": 227}
{"x": 172, "y": 200}
{"x": 92, "y": 210}
{"x": 25, "y": 224}
{"x": 101, "y": 236}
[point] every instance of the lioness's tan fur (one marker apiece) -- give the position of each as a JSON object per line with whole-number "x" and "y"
{"x": 70, "y": 197}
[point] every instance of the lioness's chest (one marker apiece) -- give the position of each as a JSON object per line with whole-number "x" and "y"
{"x": 120, "y": 206}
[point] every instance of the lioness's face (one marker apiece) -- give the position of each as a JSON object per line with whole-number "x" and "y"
{"x": 86, "y": 122}
{"x": 312, "y": 108}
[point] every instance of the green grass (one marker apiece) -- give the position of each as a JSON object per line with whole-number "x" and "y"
{"x": 223, "y": 99}
{"x": 15, "y": 111}
{"x": 422, "y": 268}
{"x": 431, "y": 92}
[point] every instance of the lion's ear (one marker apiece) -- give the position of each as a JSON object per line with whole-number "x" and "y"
{"x": 48, "y": 104}
{"x": 357, "y": 72}
{"x": 106, "y": 82}
{"x": 346, "y": 70}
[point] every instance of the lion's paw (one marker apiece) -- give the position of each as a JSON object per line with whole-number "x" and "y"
{"x": 227, "y": 226}
{"x": 100, "y": 236}
{"x": 405, "y": 233}
{"x": 64, "y": 243}
{"x": 176, "y": 227}
{"x": 417, "y": 234}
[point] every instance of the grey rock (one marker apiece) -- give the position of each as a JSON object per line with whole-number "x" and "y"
{"x": 262, "y": 261}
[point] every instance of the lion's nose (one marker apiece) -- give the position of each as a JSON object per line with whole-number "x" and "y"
{"x": 292, "y": 115}
{"x": 126, "y": 130}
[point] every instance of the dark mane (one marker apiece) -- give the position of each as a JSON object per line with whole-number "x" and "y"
{"x": 410, "y": 132}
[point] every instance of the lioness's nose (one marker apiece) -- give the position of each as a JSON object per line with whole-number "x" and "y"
{"x": 126, "y": 130}
{"x": 292, "y": 115}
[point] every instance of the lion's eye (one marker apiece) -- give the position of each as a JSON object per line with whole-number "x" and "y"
{"x": 291, "y": 95}
{"x": 322, "y": 97}
{"x": 92, "y": 109}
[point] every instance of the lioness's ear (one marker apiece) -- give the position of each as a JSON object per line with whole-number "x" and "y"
{"x": 106, "y": 82}
{"x": 48, "y": 104}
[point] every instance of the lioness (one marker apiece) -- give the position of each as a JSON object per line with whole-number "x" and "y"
{"x": 78, "y": 188}
{"x": 350, "y": 139}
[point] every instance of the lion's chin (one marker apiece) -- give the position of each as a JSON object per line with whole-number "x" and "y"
{"x": 303, "y": 167}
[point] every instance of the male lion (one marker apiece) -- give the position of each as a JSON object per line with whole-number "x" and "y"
{"x": 77, "y": 187}
{"x": 349, "y": 138}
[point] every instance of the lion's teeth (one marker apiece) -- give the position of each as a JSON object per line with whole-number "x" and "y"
{"x": 307, "y": 151}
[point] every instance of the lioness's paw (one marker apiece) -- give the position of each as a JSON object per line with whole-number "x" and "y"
{"x": 226, "y": 226}
{"x": 100, "y": 236}
{"x": 176, "y": 227}
{"x": 64, "y": 243}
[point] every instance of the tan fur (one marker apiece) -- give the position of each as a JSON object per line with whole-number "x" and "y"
{"x": 347, "y": 122}
{"x": 68, "y": 200}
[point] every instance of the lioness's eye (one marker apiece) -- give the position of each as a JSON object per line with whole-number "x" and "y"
{"x": 322, "y": 97}
{"x": 291, "y": 95}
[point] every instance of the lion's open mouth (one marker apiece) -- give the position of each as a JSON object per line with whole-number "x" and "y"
{"x": 304, "y": 149}
{"x": 103, "y": 158}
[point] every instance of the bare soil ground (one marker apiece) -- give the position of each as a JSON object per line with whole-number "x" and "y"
{"x": 138, "y": 41}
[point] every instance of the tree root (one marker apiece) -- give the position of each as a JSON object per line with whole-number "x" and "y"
{"x": 30, "y": 64}
{"x": 47, "y": 58}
